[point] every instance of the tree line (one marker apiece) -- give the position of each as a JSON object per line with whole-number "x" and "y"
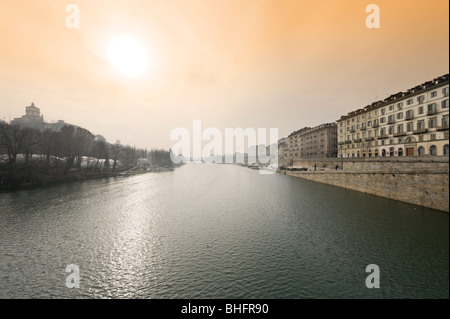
{"x": 25, "y": 150}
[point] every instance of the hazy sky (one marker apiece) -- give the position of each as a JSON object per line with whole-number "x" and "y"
{"x": 230, "y": 63}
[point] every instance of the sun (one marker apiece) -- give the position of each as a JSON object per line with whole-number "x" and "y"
{"x": 128, "y": 55}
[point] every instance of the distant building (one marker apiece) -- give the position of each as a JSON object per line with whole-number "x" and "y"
{"x": 411, "y": 123}
{"x": 34, "y": 119}
{"x": 316, "y": 142}
{"x": 283, "y": 151}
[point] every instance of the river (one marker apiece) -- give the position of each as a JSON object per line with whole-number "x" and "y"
{"x": 218, "y": 231}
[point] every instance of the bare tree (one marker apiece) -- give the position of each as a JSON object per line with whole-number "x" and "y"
{"x": 116, "y": 150}
{"x": 12, "y": 139}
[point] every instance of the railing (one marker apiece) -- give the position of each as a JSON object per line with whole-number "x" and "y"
{"x": 409, "y": 117}
{"x": 442, "y": 128}
{"x": 369, "y": 139}
{"x": 391, "y": 121}
{"x": 432, "y": 111}
{"x": 375, "y": 125}
{"x": 420, "y": 131}
{"x": 381, "y": 137}
{"x": 399, "y": 134}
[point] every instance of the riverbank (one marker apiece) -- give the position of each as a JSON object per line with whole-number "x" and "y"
{"x": 41, "y": 178}
{"x": 419, "y": 181}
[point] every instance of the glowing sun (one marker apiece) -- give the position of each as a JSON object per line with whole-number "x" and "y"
{"x": 128, "y": 55}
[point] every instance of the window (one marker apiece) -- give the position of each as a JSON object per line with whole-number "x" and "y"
{"x": 382, "y": 131}
{"x": 432, "y": 122}
{"x": 420, "y": 109}
{"x": 421, "y": 151}
{"x": 444, "y": 104}
{"x": 446, "y": 150}
{"x": 348, "y": 128}
{"x": 383, "y": 111}
{"x": 369, "y": 124}
{"x": 383, "y": 120}
{"x": 409, "y": 102}
{"x": 420, "y": 99}
{"x": 409, "y": 127}
{"x": 391, "y": 119}
{"x": 420, "y": 124}
{"x": 420, "y": 138}
{"x": 433, "y": 150}
{"x": 409, "y": 114}
{"x": 357, "y": 126}
{"x": 391, "y": 107}
{"x": 445, "y": 91}
{"x": 400, "y": 151}
{"x": 400, "y": 128}
{"x": 432, "y": 137}
{"x": 431, "y": 108}
{"x": 445, "y": 121}
{"x": 399, "y": 116}
{"x": 391, "y": 130}
{"x": 400, "y": 105}
{"x": 434, "y": 94}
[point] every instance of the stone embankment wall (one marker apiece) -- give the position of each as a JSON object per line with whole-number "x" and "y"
{"x": 422, "y": 181}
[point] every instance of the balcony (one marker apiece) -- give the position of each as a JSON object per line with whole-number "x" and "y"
{"x": 375, "y": 125}
{"x": 341, "y": 143}
{"x": 357, "y": 140}
{"x": 409, "y": 117}
{"x": 420, "y": 131}
{"x": 363, "y": 128}
{"x": 382, "y": 137}
{"x": 399, "y": 134}
{"x": 352, "y": 130}
{"x": 432, "y": 111}
{"x": 369, "y": 139}
{"x": 348, "y": 142}
{"x": 442, "y": 128}
{"x": 391, "y": 121}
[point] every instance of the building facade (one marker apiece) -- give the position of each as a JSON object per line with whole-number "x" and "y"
{"x": 316, "y": 142}
{"x": 411, "y": 123}
{"x": 34, "y": 119}
{"x": 283, "y": 151}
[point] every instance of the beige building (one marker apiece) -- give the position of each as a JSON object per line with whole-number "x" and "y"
{"x": 411, "y": 123}
{"x": 316, "y": 142}
{"x": 283, "y": 151}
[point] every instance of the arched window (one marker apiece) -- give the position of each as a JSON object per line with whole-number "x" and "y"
{"x": 376, "y": 152}
{"x": 400, "y": 151}
{"x": 421, "y": 151}
{"x": 383, "y": 152}
{"x": 433, "y": 150}
{"x": 446, "y": 150}
{"x": 357, "y": 154}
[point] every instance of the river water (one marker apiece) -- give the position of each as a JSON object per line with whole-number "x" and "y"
{"x": 218, "y": 231}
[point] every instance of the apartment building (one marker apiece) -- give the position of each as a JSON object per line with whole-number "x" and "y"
{"x": 316, "y": 142}
{"x": 411, "y": 123}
